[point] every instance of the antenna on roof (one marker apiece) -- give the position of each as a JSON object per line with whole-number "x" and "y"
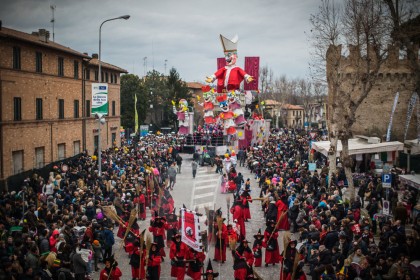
{"x": 153, "y": 56}
{"x": 52, "y": 7}
{"x": 145, "y": 65}
{"x": 166, "y": 61}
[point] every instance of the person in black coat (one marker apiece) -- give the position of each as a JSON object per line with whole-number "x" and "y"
{"x": 324, "y": 258}
{"x": 331, "y": 238}
{"x": 271, "y": 214}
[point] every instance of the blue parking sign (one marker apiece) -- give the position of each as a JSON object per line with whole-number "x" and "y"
{"x": 386, "y": 180}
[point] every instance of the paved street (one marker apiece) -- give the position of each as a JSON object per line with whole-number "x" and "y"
{"x": 197, "y": 193}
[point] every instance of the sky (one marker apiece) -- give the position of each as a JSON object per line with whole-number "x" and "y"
{"x": 185, "y": 33}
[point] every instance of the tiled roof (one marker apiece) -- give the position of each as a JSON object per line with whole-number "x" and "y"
{"x": 34, "y": 39}
{"x": 95, "y": 61}
{"x": 271, "y": 102}
{"x": 292, "y": 107}
{"x": 195, "y": 85}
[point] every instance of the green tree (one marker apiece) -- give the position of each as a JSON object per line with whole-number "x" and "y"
{"x": 130, "y": 86}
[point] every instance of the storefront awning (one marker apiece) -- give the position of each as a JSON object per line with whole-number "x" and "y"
{"x": 411, "y": 180}
{"x": 359, "y": 146}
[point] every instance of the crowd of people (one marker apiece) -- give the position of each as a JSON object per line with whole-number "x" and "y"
{"x": 62, "y": 227}
{"x": 325, "y": 235}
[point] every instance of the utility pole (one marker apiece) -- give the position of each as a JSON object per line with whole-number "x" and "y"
{"x": 52, "y": 7}
{"x": 166, "y": 61}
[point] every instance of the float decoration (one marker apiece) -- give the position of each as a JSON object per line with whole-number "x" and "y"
{"x": 182, "y": 115}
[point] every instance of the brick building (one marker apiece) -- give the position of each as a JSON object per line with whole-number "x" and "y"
{"x": 45, "y": 97}
{"x": 394, "y": 75}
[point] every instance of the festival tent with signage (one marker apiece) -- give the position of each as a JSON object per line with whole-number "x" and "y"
{"x": 359, "y": 146}
{"x": 411, "y": 180}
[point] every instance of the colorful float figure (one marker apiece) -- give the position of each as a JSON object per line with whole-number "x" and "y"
{"x": 231, "y": 76}
{"x": 208, "y": 105}
{"x": 235, "y": 106}
{"x": 182, "y": 115}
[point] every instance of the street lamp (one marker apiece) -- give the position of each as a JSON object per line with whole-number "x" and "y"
{"x": 101, "y": 121}
{"x": 100, "y": 29}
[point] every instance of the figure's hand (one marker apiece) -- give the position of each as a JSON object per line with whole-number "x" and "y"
{"x": 173, "y": 103}
{"x": 209, "y": 80}
{"x": 249, "y": 79}
{"x": 198, "y": 97}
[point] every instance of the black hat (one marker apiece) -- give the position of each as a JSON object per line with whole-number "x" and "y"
{"x": 210, "y": 271}
{"x": 175, "y": 236}
{"x": 258, "y": 235}
{"x": 219, "y": 212}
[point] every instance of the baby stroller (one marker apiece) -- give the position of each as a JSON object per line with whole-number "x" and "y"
{"x": 231, "y": 186}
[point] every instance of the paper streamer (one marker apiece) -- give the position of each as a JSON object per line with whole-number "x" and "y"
{"x": 410, "y": 109}
{"x": 388, "y": 132}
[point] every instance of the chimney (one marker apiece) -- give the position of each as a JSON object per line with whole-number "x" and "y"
{"x": 95, "y": 55}
{"x": 43, "y": 35}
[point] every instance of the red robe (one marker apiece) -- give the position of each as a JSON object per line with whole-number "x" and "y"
{"x": 159, "y": 237}
{"x": 139, "y": 271}
{"x": 178, "y": 270}
{"x": 194, "y": 270}
{"x": 255, "y": 248}
{"x": 273, "y": 256}
{"x": 245, "y": 209}
{"x": 281, "y": 211}
{"x": 115, "y": 274}
{"x": 142, "y": 201}
{"x": 234, "y": 78}
{"x": 220, "y": 256}
{"x": 237, "y": 213}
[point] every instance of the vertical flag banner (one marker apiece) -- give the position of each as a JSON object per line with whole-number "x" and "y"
{"x": 190, "y": 229}
{"x": 100, "y": 98}
{"x": 252, "y": 67}
{"x": 388, "y": 132}
{"x": 136, "y": 115}
{"x": 410, "y": 109}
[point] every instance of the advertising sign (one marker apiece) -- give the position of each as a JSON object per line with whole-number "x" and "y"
{"x": 144, "y": 129}
{"x": 100, "y": 98}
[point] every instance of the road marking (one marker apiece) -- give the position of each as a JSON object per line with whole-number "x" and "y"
{"x": 199, "y": 196}
{"x": 205, "y": 187}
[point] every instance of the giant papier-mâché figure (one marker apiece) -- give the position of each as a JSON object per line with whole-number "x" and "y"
{"x": 182, "y": 115}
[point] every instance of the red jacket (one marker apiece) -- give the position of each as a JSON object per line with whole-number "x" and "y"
{"x": 234, "y": 78}
{"x": 115, "y": 274}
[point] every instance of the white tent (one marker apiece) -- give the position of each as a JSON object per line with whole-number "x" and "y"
{"x": 413, "y": 146}
{"x": 411, "y": 180}
{"x": 359, "y": 146}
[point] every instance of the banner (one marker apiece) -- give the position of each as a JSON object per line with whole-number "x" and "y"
{"x": 100, "y": 98}
{"x": 410, "y": 109}
{"x": 136, "y": 115}
{"x": 388, "y": 132}
{"x": 190, "y": 229}
{"x": 144, "y": 130}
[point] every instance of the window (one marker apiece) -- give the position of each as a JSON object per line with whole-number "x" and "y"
{"x": 76, "y": 109}
{"x": 38, "y": 62}
{"x": 87, "y": 108}
{"x": 113, "y": 108}
{"x": 60, "y": 66}
{"x": 115, "y": 78}
{"x": 76, "y": 69}
{"x": 17, "y": 108}
{"x": 16, "y": 58}
{"x": 76, "y": 148}
{"x": 39, "y": 157}
{"x": 87, "y": 74}
{"x": 95, "y": 142}
{"x": 113, "y": 138}
{"x": 96, "y": 75}
{"x": 61, "y": 151}
{"x": 38, "y": 109}
{"x": 112, "y": 78}
{"x": 102, "y": 77}
{"x": 61, "y": 108}
{"x": 106, "y": 77}
{"x": 17, "y": 157}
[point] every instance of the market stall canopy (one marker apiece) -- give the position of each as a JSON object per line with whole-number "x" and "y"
{"x": 413, "y": 146}
{"x": 359, "y": 146}
{"x": 411, "y": 180}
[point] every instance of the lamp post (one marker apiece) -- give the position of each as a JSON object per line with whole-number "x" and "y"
{"x": 100, "y": 117}
{"x": 100, "y": 29}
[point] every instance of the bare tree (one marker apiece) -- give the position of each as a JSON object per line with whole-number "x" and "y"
{"x": 362, "y": 25}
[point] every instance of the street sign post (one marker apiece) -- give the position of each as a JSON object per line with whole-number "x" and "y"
{"x": 386, "y": 180}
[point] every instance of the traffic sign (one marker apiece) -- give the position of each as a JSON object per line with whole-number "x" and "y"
{"x": 386, "y": 180}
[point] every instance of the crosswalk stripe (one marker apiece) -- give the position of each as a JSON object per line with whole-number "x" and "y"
{"x": 206, "y": 180}
{"x": 204, "y": 187}
{"x": 199, "y": 196}
{"x": 202, "y": 205}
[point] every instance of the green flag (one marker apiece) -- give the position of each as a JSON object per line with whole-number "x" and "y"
{"x": 136, "y": 116}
